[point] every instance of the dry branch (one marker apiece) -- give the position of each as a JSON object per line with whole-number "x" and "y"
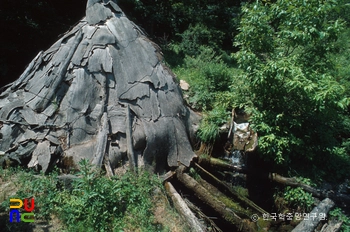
{"x": 183, "y": 209}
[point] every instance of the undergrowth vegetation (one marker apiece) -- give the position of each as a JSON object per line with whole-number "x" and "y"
{"x": 297, "y": 197}
{"x": 339, "y": 215}
{"x": 91, "y": 202}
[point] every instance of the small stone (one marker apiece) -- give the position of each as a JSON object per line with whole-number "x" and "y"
{"x": 184, "y": 85}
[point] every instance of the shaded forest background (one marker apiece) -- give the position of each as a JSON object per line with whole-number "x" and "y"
{"x": 30, "y": 26}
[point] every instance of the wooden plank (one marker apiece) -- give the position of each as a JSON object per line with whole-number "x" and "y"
{"x": 100, "y": 60}
{"x": 7, "y": 109}
{"x": 185, "y": 152}
{"x": 27, "y": 135}
{"x": 123, "y": 30}
{"x": 102, "y": 37}
{"x": 134, "y": 91}
{"x": 101, "y": 142}
{"x": 29, "y": 116}
{"x": 43, "y": 101}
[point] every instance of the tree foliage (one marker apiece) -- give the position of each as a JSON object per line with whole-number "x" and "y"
{"x": 297, "y": 101}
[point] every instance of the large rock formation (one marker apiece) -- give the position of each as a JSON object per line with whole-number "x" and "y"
{"x": 100, "y": 92}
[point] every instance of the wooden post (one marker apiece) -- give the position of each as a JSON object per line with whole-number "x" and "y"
{"x": 130, "y": 150}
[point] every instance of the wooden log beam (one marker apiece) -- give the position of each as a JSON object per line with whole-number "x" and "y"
{"x": 167, "y": 176}
{"x": 309, "y": 225}
{"x": 229, "y": 202}
{"x": 202, "y": 216}
{"x": 183, "y": 209}
{"x": 218, "y": 163}
{"x": 294, "y": 183}
{"x": 208, "y": 199}
{"x": 332, "y": 226}
{"x": 242, "y": 199}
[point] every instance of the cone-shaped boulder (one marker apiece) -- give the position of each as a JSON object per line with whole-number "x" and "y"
{"x": 99, "y": 93}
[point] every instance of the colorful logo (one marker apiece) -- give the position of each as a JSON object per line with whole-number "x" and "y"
{"x": 16, "y": 204}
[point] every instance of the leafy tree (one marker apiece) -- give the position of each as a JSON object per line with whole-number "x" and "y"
{"x": 297, "y": 101}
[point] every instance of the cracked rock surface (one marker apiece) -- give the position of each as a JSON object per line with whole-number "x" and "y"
{"x": 71, "y": 101}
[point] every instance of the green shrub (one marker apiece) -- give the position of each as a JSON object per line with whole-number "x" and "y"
{"x": 339, "y": 215}
{"x": 207, "y": 75}
{"x": 209, "y": 128}
{"x": 298, "y": 197}
{"x": 197, "y": 36}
